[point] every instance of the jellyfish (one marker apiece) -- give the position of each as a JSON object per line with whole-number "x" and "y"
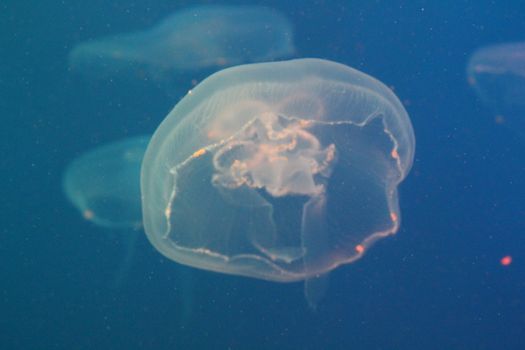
{"x": 497, "y": 73}
{"x": 280, "y": 171}
{"x": 191, "y": 39}
{"x": 104, "y": 183}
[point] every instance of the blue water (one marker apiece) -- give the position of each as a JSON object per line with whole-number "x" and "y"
{"x": 437, "y": 284}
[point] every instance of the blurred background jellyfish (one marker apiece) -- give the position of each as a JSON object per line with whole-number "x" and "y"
{"x": 196, "y": 38}
{"x": 279, "y": 171}
{"x": 497, "y": 74}
{"x": 104, "y": 185}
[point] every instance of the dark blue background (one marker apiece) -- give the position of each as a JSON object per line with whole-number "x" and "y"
{"x": 438, "y": 284}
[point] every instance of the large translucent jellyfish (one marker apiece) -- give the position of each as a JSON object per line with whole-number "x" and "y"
{"x": 191, "y": 39}
{"x": 279, "y": 171}
{"x": 497, "y": 73}
{"x": 104, "y": 183}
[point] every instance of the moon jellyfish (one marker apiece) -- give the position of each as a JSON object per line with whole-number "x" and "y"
{"x": 279, "y": 171}
{"x": 104, "y": 184}
{"x": 497, "y": 73}
{"x": 191, "y": 39}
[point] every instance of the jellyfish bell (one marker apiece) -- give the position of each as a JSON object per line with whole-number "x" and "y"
{"x": 104, "y": 183}
{"x": 192, "y": 39}
{"x": 279, "y": 171}
{"x": 497, "y": 74}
